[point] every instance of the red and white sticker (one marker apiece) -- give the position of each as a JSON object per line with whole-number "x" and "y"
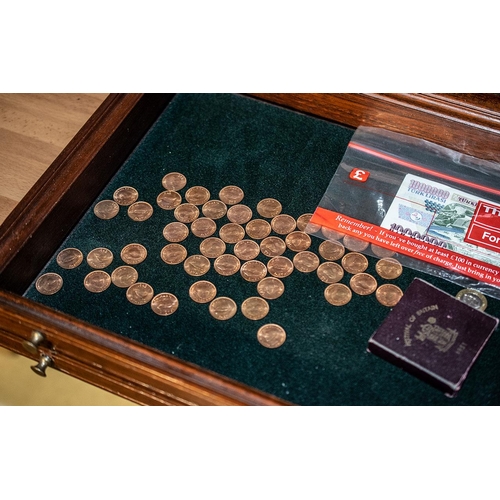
{"x": 359, "y": 175}
{"x": 484, "y": 228}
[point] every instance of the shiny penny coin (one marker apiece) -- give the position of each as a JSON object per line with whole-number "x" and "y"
{"x": 271, "y": 336}
{"x": 124, "y": 276}
{"x": 125, "y": 196}
{"x": 197, "y": 195}
{"x": 186, "y": 212}
{"x": 306, "y": 262}
{"x": 258, "y": 229}
{"x": 280, "y": 267}
{"x": 174, "y": 181}
{"x": 338, "y": 294}
{"x": 331, "y": 234}
{"x": 140, "y": 211}
{"x": 212, "y": 247}
{"x": 354, "y": 262}
{"x": 272, "y": 246}
{"x": 202, "y": 292}
{"x": 303, "y": 220}
{"x": 99, "y": 258}
{"x": 214, "y": 209}
{"x": 175, "y": 232}
{"x": 269, "y": 208}
{"x": 270, "y": 288}
{"x": 106, "y": 209}
{"x": 255, "y": 308}
{"x": 173, "y": 253}
{"x": 381, "y": 252}
{"x": 49, "y": 283}
{"x": 227, "y": 264}
{"x": 239, "y": 214}
{"x": 97, "y": 281}
{"x": 298, "y": 241}
{"x": 388, "y": 295}
{"x": 472, "y": 298}
{"x": 363, "y": 284}
{"x": 69, "y": 258}
{"x": 331, "y": 250}
{"x": 355, "y": 244}
{"x": 330, "y": 272}
{"x": 389, "y": 268}
{"x": 140, "y": 293}
{"x": 196, "y": 265}
{"x": 246, "y": 249}
{"x": 164, "y": 304}
{"x": 283, "y": 224}
{"x": 222, "y": 308}
{"x": 133, "y": 254}
{"x": 253, "y": 271}
{"x": 203, "y": 227}
{"x": 168, "y": 200}
{"x": 231, "y": 233}
{"x": 231, "y": 195}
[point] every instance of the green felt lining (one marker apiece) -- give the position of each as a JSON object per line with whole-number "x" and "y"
{"x": 218, "y": 140}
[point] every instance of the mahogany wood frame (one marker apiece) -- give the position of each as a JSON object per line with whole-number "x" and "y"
{"x": 469, "y": 123}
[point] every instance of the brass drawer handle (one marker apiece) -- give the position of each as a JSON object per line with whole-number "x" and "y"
{"x": 36, "y": 340}
{"x": 43, "y": 364}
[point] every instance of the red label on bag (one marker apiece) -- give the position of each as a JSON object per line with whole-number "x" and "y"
{"x": 484, "y": 228}
{"x": 359, "y": 175}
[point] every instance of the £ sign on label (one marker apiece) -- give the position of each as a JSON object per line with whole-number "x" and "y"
{"x": 358, "y": 174}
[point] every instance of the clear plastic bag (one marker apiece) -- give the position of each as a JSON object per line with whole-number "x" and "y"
{"x": 434, "y": 209}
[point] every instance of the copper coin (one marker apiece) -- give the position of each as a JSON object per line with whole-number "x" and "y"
{"x": 173, "y": 253}
{"x": 272, "y": 246}
{"x": 271, "y": 336}
{"x": 255, "y": 308}
{"x": 231, "y": 233}
{"x": 306, "y": 262}
{"x": 246, "y": 249}
{"x": 197, "y": 195}
{"x": 202, "y": 292}
{"x": 269, "y": 208}
{"x": 222, "y": 308}
{"x": 389, "y": 268}
{"x": 49, "y": 283}
{"x": 330, "y": 272}
{"x": 331, "y": 250}
{"x": 298, "y": 241}
{"x": 186, "y": 212}
{"x": 69, "y": 258}
{"x": 174, "y": 181}
{"x": 106, "y": 209}
{"x": 231, "y": 195}
{"x": 227, "y": 264}
{"x": 270, "y": 288}
{"x": 99, "y": 258}
{"x": 212, "y": 247}
{"x": 354, "y": 262}
{"x": 124, "y": 276}
{"x": 355, "y": 244}
{"x": 133, "y": 254}
{"x": 283, "y": 224}
{"x": 363, "y": 284}
{"x": 303, "y": 220}
{"x": 239, "y": 214}
{"x": 258, "y": 229}
{"x": 196, "y": 265}
{"x": 280, "y": 267}
{"x": 125, "y": 196}
{"x": 97, "y": 281}
{"x": 203, "y": 227}
{"x": 175, "y": 232}
{"x": 164, "y": 304}
{"x": 253, "y": 270}
{"x": 388, "y": 295}
{"x": 140, "y": 293}
{"x": 331, "y": 234}
{"x": 140, "y": 211}
{"x": 338, "y": 294}
{"x": 168, "y": 200}
{"x": 472, "y": 298}
{"x": 381, "y": 252}
{"x": 214, "y": 209}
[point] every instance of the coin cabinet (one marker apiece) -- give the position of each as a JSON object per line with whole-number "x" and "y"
{"x": 279, "y": 146}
